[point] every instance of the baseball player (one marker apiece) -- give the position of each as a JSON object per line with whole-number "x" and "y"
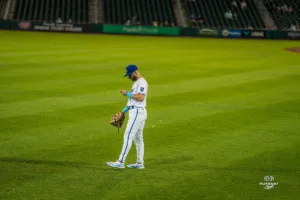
{"x": 136, "y": 106}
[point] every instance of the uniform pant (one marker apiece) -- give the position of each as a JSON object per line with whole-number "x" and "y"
{"x": 134, "y": 131}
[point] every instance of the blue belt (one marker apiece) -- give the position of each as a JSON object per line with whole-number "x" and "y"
{"x": 133, "y": 107}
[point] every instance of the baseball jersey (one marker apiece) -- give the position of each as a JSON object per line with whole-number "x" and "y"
{"x": 140, "y": 86}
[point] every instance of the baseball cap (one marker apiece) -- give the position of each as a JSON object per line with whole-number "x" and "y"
{"x": 130, "y": 69}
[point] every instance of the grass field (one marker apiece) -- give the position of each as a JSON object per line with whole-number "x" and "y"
{"x": 222, "y": 114}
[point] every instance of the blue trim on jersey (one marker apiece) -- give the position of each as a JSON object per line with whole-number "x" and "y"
{"x": 137, "y": 112}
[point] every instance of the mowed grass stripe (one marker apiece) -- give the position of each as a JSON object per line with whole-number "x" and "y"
{"x": 24, "y": 65}
{"x": 86, "y": 65}
{"x": 117, "y": 51}
{"x": 210, "y": 98}
{"x": 39, "y": 66}
{"x": 206, "y": 136}
{"x": 251, "y": 101}
{"x": 207, "y": 96}
{"x": 73, "y": 40}
{"x": 80, "y": 131}
{"x": 62, "y": 58}
{"x": 85, "y": 74}
{"x": 65, "y": 85}
{"x": 206, "y": 127}
{"x": 44, "y": 104}
{"x": 60, "y": 51}
{"x": 107, "y": 66}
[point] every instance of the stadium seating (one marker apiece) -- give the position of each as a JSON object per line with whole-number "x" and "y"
{"x": 199, "y": 13}
{"x": 213, "y": 12}
{"x": 3, "y": 4}
{"x": 139, "y": 12}
{"x": 284, "y": 12}
{"x": 51, "y": 10}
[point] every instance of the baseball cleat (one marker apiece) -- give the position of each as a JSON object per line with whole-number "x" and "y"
{"x": 136, "y": 166}
{"x": 116, "y": 165}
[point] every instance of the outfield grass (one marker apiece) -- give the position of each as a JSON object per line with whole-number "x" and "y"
{"x": 222, "y": 114}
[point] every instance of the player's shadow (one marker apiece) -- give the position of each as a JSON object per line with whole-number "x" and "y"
{"x": 56, "y": 163}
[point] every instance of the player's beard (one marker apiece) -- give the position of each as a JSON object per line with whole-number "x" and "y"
{"x": 133, "y": 77}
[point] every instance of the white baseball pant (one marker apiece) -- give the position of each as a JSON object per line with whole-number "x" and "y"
{"x": 134, "y": 131}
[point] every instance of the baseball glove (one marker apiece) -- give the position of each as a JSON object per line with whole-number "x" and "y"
{"x": 117, "y": 120}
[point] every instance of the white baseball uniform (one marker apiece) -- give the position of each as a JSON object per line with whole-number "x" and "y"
{"x": 136, "y": 122}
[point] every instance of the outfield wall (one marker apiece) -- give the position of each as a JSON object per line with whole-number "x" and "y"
{"x": 50, "y": 27}
{"x": 147, "y": 30}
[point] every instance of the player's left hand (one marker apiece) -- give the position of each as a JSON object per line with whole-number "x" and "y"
{"x": 123, "y": 92}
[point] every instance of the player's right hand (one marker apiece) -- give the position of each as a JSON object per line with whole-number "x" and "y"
{"x": 123, "y": 92}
